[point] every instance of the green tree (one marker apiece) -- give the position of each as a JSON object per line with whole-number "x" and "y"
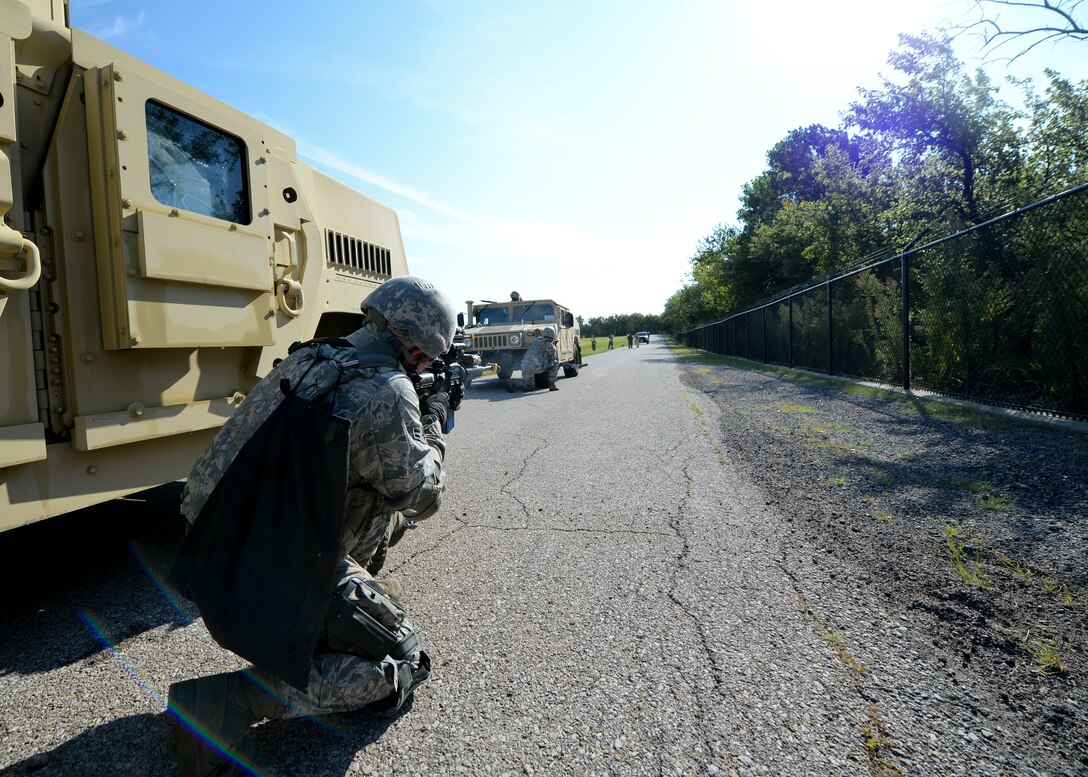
{"x": 686, "y": 308}
{"x": 710, "y": 268}
{"x": 955, "y": 141}
{"x": 1057, "y": 137}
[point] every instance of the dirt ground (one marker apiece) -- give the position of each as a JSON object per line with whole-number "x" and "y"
{"x": 966, "y": 526}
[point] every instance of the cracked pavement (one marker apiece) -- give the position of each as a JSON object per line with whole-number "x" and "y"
{"x": 602, "y": 596}
{"x": 604, "y": 591}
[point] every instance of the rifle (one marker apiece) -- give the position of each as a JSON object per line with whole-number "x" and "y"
{"x": 444, "y": 373}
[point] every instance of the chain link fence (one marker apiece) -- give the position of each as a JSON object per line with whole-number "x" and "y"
{"x": 997, "y": 313}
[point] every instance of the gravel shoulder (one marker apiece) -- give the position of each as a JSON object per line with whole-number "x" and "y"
{"x": 941, "y": 551}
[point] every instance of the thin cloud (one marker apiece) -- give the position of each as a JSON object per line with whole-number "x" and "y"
{"x": 528, "y": 237}
{"x": 329, "y": 159}
{"x": 121, "y": 26}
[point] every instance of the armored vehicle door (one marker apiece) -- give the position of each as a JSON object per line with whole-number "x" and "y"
{"x": 163, "y": 262}
{"x": 183, "y": 258}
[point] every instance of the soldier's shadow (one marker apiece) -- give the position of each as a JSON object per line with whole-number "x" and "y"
{"x": 135, "y": 746}
{"x": 321, "y": 747}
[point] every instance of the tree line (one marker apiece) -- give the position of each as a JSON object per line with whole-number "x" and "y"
{"x": 620, "y": 324}
{"x": 932, "y": 150}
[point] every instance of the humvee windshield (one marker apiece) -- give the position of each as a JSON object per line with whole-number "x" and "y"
{"x": 492, "y": 315}
{"x": 540, "y": 311}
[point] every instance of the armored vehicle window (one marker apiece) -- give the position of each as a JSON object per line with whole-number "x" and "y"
{"x": 497, "y": 315}
{"x": 195, "y": 166}
{"x": 537, "y": 312}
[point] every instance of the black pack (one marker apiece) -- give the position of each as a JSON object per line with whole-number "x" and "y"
{"x": 260, "y": 559}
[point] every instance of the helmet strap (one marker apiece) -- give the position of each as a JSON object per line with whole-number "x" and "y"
{"x": 394, "y": 343}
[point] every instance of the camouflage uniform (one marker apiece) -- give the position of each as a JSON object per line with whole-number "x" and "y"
{"x": 395, "y": 465}
{"x": 395, "y": 472}
{"x": 540, "y": 357}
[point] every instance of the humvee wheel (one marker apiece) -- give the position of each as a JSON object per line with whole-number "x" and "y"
{"x": 572, "y": 372}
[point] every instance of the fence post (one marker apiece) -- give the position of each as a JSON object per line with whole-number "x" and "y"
{"x": 904, "y": 282}
{"x": 789, "y": 340}
{"x": 763, "y": 317}
{"x": 830, "y": 334}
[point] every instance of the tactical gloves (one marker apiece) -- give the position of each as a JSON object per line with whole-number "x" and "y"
{"x": 437, "y": 405}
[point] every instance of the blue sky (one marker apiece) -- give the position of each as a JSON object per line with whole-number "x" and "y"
{"x": 570, "y": 149}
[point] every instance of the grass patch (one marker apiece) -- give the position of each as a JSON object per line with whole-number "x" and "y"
{"x": 790, "y": 407}
{"x": 971, "y": 486}
{"x": 838, "y": 647}
{"x": 880, "y": 477}
{"x": 970, "y": 570}
{"x": 1015, "y": 568}
{"x": 834, "y": 641}
{"x": 994, "y": 502}
{"x": 877, "y": 744}
{"x": 987, "y": 499}
{"x": 964, "y": 415}
{"x": 1045, "y": 657}
{"x": 1061, "y": 589}
{"x": 907, "y": 403}
{"x": 586, "y": 344}
{"x": 820, "y": 437}
{"x": 700, "y": 418}
{"x": 885, "y": 517}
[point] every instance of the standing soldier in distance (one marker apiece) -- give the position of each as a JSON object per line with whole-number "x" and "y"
{"x": 395, "y": 465}
{"x": 540, "y": 357}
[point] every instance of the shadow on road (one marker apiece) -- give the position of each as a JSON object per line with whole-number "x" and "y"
{"x": 494, "y": 390}
{"x": 135, "y": 746}
{"x": 87, "y": 576}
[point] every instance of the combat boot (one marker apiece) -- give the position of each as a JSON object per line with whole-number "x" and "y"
{"x": 390, "y": 586}
{"x": 552, "y": 386}
{"x": 209, "y": 720}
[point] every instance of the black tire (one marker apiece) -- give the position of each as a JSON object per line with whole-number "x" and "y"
{"x": 572, "y": 372}
{"x": 541, "y": 380}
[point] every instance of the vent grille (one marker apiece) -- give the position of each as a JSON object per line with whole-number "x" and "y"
{"x": 482, "y": 342}
{"x": 350, "y": 253}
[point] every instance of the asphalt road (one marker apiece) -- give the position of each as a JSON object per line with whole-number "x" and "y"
{"x": 602, "y": 593}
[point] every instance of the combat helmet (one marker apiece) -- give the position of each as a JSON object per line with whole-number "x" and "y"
{"x": 548, "y": 332}
{"x": 416, "y": 313}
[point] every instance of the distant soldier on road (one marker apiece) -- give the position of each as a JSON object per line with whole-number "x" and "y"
{"x": 541, "y": 357}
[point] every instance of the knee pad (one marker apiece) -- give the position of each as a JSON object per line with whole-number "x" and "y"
{"x": 364, "y": 621}
{"x": 408, "y": 673}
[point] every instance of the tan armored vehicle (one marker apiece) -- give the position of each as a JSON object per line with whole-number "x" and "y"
{"x": 159, "y": 250}
{"x": 500, "y": 332}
